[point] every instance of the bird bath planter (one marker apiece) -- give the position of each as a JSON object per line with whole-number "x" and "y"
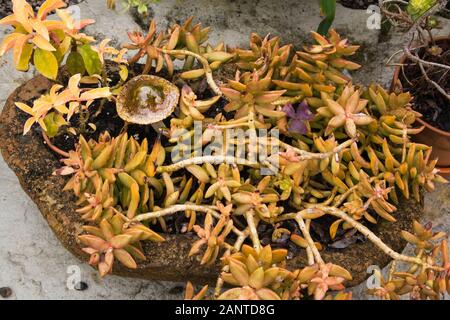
{"x": 33, "y": 163}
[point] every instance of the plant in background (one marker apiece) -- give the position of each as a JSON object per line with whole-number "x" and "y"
{"x": 328, "y": 10}
{"x": 344, "y": 159}
{"x": 140, "y": 5}
{"x": 418, "y": 18}
{"x": 46, "y": 41}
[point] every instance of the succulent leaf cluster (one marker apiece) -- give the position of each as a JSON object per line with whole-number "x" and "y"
{"x": 53, "y": 110}
{"x": 419, "y": 283}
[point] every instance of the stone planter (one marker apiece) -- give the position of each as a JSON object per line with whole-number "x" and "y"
{"x": 33, "y": 163}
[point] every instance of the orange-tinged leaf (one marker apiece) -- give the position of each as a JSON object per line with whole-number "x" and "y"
{"x": 28, "y": 124}
{"x": 43, "y": 44}
{"x": 9, "y": 20}
{"x": 24, "y": 108}
{"x": 334, "y": 227}
{"x": 74, "y": 82}
{"x": 40, "y": 28}
{"x": 96, "y": 94}
{"x": 92, "y": 241}
{"x": 66, "y": 18}
{"x": 125, "y": 258}
{"x": 8, "y": 42}
{"x": 49, "y": 6}
{"x": 120, "y": 241}
{"x": 22, "y": 11}
{"x": 18, "y": 48}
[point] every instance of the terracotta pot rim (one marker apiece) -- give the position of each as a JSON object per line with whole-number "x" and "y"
{"x": 395, "y": 78}
{"x": 443, "y": 169}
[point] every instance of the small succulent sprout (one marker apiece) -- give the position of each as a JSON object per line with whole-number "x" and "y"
{"x": 320, "y": 278}
{"x": 191, "y": 107}
{"x": 348, "y": 111}
{"x": 147, "y": 100}
{"x": 377, "y": 197}
{"x": 213, "y": 236}
{"x": 395, "y": 104}
{"x": 255, "y": 94}
{"x": 107, "y": 247}
{"x": 255, "y": 274}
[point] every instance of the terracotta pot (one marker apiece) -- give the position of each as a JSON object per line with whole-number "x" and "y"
{"x": 432, "y": 136}
{"x": 33, "y": 163}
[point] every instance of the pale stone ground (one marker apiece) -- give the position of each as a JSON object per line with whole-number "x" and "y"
{"x": 34, "y": 264}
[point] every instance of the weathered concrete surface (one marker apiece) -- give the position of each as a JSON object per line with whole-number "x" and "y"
{"x": 35, "y": 265}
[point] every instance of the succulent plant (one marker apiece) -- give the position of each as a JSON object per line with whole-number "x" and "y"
{"x": 47, "y": 41}
{"x": 49, "y": 110}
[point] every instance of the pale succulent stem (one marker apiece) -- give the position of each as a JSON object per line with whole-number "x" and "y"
{"x": 237, "y": 247}
{"x": 53, "y": 147}
{"x": 178, "y": 208}
{"x": 310, "y": 256}
{"x": 172, "y": 210}
{"x": 230, "y": 126}
{"x": 219, "y": 282}
{"x": 240, "y": 120}
{"x": 373, "y": 238}
{"x": 205, "y": 159}
{"x": 392, "y": 270}
{"x": 307, "y": 236}
{"x": 349, "y": 191}
{"x": 249, "y": 215}
{"x": 204, "y": 62}
{"x": 241, "y": 238}
{"x": 309, "y": 252}
{"x": 305, "y": 155}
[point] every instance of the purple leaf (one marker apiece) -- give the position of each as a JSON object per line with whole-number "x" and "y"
{"x": 298, "y": 126}
{"x": 289, "y": 110}
{"x": 299, "y": 117}
{"x": 304, "y": 113}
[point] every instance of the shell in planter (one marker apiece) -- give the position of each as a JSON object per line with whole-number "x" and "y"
{"x": 147, "y": 99}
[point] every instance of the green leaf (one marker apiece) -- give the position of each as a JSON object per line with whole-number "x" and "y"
{"x": 416, "y": 8}
{"x": 53, "y": 121}
{"x": 46, "y": 63}
{"x": 123, "y": 73}
{"x": 75, "y": 63}
{"x": 24, "y": 61}
{"x": 142, "y": 8}
{"x": 328, "y": 9}
{"x": 91, "y": 59}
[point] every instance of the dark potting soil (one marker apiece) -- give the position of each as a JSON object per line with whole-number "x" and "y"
{"x": 6, "y": 5}
{"x": 434, "y": 106}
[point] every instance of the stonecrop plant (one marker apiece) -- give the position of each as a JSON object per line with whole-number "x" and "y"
{"x": 259, "y": 138}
